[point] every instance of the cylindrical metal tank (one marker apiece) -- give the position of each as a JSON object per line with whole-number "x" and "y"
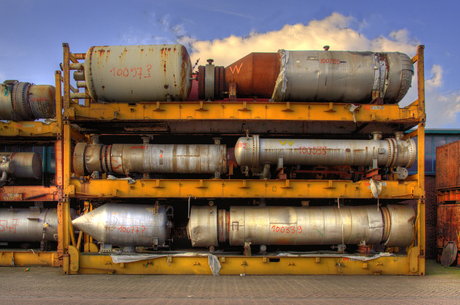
{"x": 149, "y": 158}
{"x": 343, "y": 76}
{"x": 302, "y": 225}
{"x": 142, "y": 73}
{"x": 28, "y": 225}
{"x": 126, "y": 224}
{"x": 21, "y": 101}
{"x": 391, "y": 152}
{"x": 26, "y": 164}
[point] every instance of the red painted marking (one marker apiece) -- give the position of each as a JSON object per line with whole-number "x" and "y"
{"x": 330, "y": 61}
{"x": 319, "y": 150}
{"x": 286, "y": 229}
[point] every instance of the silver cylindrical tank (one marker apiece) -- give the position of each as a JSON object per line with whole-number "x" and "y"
{"x": 391, "y": 152}
{"x": 142, "y": 73}
{"x": 302, "y": 225}
{"x": 343, "y": 76}
{"x": 28, "y": 225}
{"x": 26, "y": 164}
{"x": 149, "y": 158}
{"x": 126, "y": 224}
{"x": 21, "y": 101}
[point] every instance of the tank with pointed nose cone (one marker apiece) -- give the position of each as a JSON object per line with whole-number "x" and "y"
{"x": 127, "y": 225}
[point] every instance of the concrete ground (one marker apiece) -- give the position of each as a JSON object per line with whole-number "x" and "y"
{"x": 45, "y": 285}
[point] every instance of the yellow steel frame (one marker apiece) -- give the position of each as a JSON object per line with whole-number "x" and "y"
{"x": 237, "y": 188}
{"x": 28, "y": 258}
{"x": 254, "y": 265}
{"x": 258, "y": 111}
{"x": 29, "y": 129}
{"x": 19, "y": 132}
{"x": 75, "y": 261}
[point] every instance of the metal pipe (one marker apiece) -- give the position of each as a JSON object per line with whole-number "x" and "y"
{"x": 26, "y": 164}
{"x": 22, "y": 101}
{"x": 29, "y": 225}
{"x": 342, "y": 76}
{"x": 302, "y": 225}
{"x": 149, "y": 158}
{"x": 255, "y": 152}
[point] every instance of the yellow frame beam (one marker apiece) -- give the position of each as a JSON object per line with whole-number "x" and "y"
{"x": 29, "y": 129}
{"x": 28, "y": 258}
{"x": 224, "y": 110}
{"x": 217, "y": 188}
{"x": 29, "y": 193}
{"x": 254, "y": 265}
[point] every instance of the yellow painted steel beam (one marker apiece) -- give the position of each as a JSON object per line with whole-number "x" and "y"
{"x": 226, "y": 110}
{"x": 29, "y": 129}
{"x": 236, "y": 265}
{"x": 217, "y": 188}
{"x": 29, "y": 193}
{"x": 27, "y": 258}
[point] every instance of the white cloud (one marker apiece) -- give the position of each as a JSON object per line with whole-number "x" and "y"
{"x": 333, "y": 30}
{"x": 436, "y": 78}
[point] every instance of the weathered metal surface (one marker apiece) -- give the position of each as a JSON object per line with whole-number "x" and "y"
{"x": 26, "y": 164}
{"x": 28, "y": 225}
{"x": 447, "y": 166}
{"x": 149, "y": 158}
{"x": 449, "y": 254}
{"x": 391, "y": 152}
{"x": 237, "y": 188}
{"x": 29, "y": 193}
{"x": 143, "y": 73}
{"x": 126, "y": 224}
{"x": 254, "y": 75}
{"x": 305, "y": 225}
{"x": 341, "y": 76}
{"x": 21, "y": 101}
{"x": 202, "y": 226}
{"x": 448, "y": 226}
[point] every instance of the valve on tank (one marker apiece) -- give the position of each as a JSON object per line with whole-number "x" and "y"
{"x": 21, "y": 101}
{"x": 127, "y": 225}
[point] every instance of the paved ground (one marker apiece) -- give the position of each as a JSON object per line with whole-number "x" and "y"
{"x": 44, "y": 285}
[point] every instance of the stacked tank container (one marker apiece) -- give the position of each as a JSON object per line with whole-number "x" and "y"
{"x": 271, "y": 165}
{"x": 31, "y": 174}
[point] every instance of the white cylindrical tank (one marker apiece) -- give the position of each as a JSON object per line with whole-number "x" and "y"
{"x": 142, "y": 73}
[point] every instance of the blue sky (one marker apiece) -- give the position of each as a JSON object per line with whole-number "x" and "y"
{"x": 33, "y": 32}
